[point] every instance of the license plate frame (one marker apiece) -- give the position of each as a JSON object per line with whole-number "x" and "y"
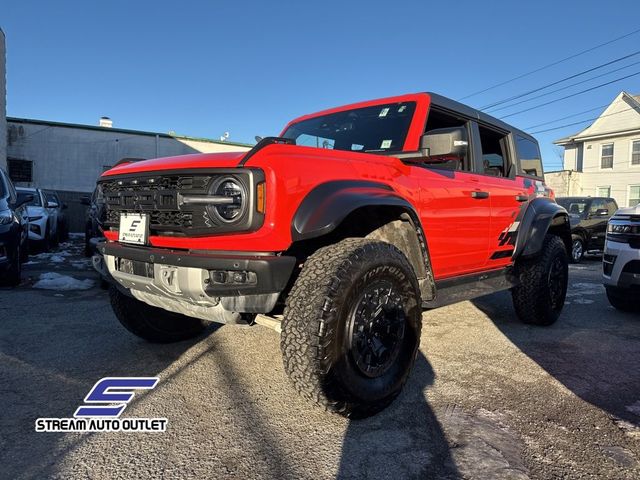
{"x": 134, "y": 228}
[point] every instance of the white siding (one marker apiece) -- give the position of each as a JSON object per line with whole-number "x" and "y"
{"x": 570, "y": 157}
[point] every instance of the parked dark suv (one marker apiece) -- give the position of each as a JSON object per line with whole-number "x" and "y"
{"x": 14, "y": 231}
{"x": 588, "y": 217}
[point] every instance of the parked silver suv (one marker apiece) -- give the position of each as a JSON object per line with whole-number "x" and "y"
{"x": 621, "y": 260}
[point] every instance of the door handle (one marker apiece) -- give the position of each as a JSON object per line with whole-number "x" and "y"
{"x": 479, "y": 195}
{"x": 522, "y": 198}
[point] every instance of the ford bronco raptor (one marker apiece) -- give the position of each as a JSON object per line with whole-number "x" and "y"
{"x": 340, "y": 231}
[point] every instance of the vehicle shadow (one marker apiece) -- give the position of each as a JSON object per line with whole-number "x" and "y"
{"x": 40, "y": 381}
{"x": 593, "y": 350}
{"x": 403, "y": 441}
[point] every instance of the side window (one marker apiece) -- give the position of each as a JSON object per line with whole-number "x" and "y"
{"x": 5, "y": 183}
{"x": 316, "y": 141}
{"x": 495, "y": 153}
{"x": 597, "y": 205}
{"x": 437, "y": 120}
{"x": 529, "y": 157}
{"x": 13, "y": 195}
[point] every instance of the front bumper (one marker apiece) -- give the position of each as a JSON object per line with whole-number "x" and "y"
{"x": 616, "y": 265}
{"x": 199, "y": 284}
{"x": 37, "y": 230}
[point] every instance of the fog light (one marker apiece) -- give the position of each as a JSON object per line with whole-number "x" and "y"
{"x": 233, "y": 277}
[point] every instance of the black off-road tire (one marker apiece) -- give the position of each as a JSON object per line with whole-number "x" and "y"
{"x": 317, "y": 348}
{"x": 24, "y": 251}
{"x": 535, "y": 301}
{"x": 622, "y": 299}
{"x": 153, "y": 324}
{"x": 577, "y": 249}
{"x": 13, "y": 275}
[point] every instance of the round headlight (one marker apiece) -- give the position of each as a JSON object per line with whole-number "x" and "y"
{"x": 231, "y": 188}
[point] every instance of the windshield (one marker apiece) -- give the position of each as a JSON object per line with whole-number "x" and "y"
{"x": 380, "y": 128}
{"x": 36, "y": 198}
{"x": 573, "y": 205}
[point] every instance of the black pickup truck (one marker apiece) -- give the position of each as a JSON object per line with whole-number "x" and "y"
{"x": 588, "y": 217}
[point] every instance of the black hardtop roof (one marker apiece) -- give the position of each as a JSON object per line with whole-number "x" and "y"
{"x": 457, "y": 107}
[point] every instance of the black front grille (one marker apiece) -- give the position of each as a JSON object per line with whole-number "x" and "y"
{"x": 157, "y": 196}
{"x": 160, "y": 195}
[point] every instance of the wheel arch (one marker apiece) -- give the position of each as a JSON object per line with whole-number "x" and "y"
{"x": 541, "y": 217}
{"x": 341, "y": 209}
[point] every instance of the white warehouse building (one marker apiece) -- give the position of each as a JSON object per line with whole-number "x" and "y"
{"x": 69, "y": 158}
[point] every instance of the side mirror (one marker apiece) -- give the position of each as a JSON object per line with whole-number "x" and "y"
{"x": 24, "y": 199}
{"x": 602, "y": 212}
{"x": 445, "y": 143}
{"x": 85, "y": 200}
{"x": 51, "y": 204}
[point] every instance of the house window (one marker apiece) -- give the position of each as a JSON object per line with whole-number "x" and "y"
{"x": 635, "y": 152}
{"x": 634, "y": 195}
{"x": 603, "y": 191}
{"x": 606, "y": 158}
{"x": 20, "y": 170}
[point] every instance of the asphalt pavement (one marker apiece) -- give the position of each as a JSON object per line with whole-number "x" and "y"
{"x": 489, "y": 397}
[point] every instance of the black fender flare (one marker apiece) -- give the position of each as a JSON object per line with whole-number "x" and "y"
{"x": 541, "y": 215}
{"x": 328, "y": 204}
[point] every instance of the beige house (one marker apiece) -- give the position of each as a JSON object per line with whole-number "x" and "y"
{"x": 603, "y": 159}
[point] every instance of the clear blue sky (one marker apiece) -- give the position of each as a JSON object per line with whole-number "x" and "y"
{"x": 204, "y": 67}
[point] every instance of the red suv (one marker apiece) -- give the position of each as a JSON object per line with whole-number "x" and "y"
{"x": 341, "y": 231}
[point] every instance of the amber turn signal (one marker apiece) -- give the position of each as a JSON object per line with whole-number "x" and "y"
{"x": 261, "y": 197}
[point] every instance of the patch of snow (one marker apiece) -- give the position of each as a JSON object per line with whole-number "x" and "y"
{"x": 582, "y": 301}
{"x": 76, "y": 235}
{"x": 585, "y": 288}
{"x": 55, "y": 281}
{"x": 81, "y": 264}
{"x": 635, "y": 408}
{"x": 57, "y": 258}
{"x": 30, "y": 262}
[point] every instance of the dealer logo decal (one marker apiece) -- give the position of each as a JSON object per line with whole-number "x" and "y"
{"x": 103, "y": 406}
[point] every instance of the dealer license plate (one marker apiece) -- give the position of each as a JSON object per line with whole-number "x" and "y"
{"x": 134, "y": 228}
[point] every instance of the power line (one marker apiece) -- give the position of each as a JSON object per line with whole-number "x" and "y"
{"x": 492, "y": 109}
{"x": 564, "y": 118}
{"x": 582, "y": 121}
{"x": 572, "y": 95}
{"x": 550, "y": 65}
